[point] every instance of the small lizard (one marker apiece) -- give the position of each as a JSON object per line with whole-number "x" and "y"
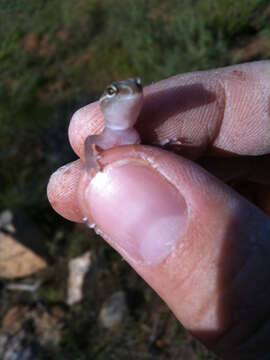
{"x": 120, "y": 104}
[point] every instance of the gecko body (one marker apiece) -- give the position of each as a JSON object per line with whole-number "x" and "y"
{"x": 120, "y": 104}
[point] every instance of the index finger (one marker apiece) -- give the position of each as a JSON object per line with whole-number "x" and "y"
{"x": 222, "y": 111}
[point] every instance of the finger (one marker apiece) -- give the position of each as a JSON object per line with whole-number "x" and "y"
{"x": 62, "y": 191}
{"x": 195, "y": 241}
{"x": 62, "y": 188}
{"x": 198, "y": 244}
{"x": 86, "y": 121}
{"x": 222, "y": 111}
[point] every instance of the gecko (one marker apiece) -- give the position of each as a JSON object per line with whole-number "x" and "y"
{"x": 121, "y": 104}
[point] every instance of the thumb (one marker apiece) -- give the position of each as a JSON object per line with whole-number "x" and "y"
{"x": 202, "y": 247}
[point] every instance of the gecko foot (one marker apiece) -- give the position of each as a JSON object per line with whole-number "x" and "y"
{"x": 91, "y": 164}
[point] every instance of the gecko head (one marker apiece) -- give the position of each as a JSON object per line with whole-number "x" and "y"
{"x": 121, "y": 103}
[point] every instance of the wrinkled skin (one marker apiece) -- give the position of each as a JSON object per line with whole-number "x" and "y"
{"x": 172, "y": 215}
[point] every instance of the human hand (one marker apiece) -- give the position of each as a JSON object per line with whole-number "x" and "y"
{"x": 199, "y": 244}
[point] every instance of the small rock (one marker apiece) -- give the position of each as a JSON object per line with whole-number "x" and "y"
{"x": 6, "y": 218}
{"x": 24, "y": 287}
{"x": 25, "y": 330}
{"x": 78, "y": 268}
{"x": 16, "y": 350}
{"x": 113, "y": 310}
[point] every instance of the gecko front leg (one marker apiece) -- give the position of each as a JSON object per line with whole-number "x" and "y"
{"x": 90, "y": 154}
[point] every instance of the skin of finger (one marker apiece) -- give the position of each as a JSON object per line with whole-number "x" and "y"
{"x": 62, "y": 191}
{"x": 210, "y": 280}
{"x": 223, "y": 111}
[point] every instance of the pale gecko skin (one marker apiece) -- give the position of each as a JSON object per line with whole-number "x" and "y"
{"x": 121, "y": 105}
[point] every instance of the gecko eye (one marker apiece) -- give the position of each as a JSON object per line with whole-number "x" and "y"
{"x": 112, "y": 90}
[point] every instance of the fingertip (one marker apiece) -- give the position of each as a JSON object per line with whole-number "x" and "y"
{"x": 85, "y": 121}
{"x": 62, "y": 191}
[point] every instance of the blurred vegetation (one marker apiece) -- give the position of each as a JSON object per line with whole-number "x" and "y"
{"x": 58, "y": 55}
